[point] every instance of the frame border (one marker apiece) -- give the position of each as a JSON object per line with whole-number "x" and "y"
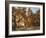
{"x": 7, "y": 18}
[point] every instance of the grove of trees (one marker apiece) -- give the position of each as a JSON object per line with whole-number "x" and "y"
{"x": 24, "y": 19}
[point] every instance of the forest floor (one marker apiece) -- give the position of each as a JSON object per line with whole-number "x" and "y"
{"x": 28, "y": 28}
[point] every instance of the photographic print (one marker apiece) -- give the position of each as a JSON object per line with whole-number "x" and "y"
{"x": 25, "y": 19}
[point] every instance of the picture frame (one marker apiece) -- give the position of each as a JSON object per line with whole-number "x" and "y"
{"x": 8, "y": 25}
